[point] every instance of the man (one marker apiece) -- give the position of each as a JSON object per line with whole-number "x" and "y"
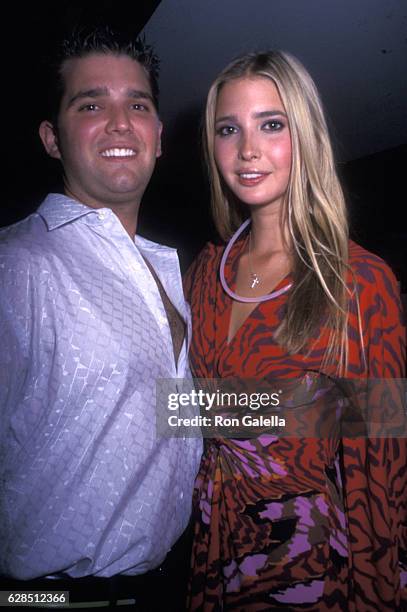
{"x": 91, "y": 316}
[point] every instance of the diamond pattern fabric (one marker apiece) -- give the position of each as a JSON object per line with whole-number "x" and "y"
{"x": 86, "y": 485}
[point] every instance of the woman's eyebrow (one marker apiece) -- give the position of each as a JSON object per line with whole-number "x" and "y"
{"x": 226, "y": 118}
{"x": 269, "y": 113}
{"x": 256, "y": 115}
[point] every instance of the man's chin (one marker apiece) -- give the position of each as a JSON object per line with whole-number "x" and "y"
{"x": 125, "y": 185}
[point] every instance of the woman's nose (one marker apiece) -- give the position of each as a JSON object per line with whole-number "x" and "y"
{"x": 249, "y": 148}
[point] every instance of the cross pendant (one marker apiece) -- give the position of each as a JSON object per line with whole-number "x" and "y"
{"x": 255, "y": 280}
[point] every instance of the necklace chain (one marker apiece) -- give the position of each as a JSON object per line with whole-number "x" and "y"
{"x": 232, "y": 294}
{"x": 254, "y": 278}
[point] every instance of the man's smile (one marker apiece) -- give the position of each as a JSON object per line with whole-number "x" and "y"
{"x": 118, "y": 153}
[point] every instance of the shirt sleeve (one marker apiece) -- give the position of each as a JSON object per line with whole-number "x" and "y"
{"x": 15, "y": 332}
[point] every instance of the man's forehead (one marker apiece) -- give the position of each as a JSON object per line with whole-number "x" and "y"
{"x": 100, "y": 68}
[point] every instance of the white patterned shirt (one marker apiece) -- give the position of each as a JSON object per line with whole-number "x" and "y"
{"x": 86, "y": 485}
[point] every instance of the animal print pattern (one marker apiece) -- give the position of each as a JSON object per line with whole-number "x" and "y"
{"x": 297, "y": 523}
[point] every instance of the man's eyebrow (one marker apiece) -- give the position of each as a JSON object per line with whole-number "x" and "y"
{"x": 259, "y": 115}
{"x": 139, "y": 93}
{"x": 97, "y": 92}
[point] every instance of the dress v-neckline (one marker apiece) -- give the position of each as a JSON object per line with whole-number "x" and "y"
{"x": 231, "y": 268}
{"x": 256, "y": 305}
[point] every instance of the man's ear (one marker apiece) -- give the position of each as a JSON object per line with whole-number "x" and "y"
{"x": 49, "y": 139}
{"x": 159, "y": 149}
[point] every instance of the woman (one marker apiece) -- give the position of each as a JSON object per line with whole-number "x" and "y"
{"x": 290, "y": 523}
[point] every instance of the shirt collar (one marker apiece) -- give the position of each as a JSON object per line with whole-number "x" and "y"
{"x": 57, "y": 209}
{"x": 150, "y": 248}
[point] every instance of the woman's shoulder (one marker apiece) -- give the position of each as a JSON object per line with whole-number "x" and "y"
{"x": 358, "y": 255}
{"x": 376, "y": 309}
{"x": 208, "y": 259}
{"x": 204, "y": 266}
{"x": 370, "y": 269}
{"x": 211, "y": 252}
{"x": 377, "y": 291}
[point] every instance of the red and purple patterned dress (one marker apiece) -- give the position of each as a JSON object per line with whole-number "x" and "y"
{"x": 297, "y": 523}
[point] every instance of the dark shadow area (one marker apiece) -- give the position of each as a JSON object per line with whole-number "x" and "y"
{"x": 175, "y": 207}
{"x": 375, "y": 187}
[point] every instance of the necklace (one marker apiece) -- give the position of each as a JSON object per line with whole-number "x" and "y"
{"x": 255, "y": 279}
{"x": 232, "y": 294}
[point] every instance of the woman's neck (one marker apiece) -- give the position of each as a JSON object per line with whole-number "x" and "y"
{"x": 268, "y": 235}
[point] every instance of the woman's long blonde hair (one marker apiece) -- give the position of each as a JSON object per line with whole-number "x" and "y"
{"x": 314, "y": 206}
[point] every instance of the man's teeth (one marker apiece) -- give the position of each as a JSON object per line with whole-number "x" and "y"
{"x": 118, "y": 153}
{"x": 250, "y": 175}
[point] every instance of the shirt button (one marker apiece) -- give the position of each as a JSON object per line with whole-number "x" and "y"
{"x": 101, "y": 215}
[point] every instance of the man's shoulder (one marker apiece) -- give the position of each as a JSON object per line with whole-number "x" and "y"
{"x": 24, "y": 236}
{"x": 21, "y": 257}
{"x": 32, "y": 236}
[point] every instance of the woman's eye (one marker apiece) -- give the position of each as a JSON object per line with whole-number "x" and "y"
{"x": 273, "y": 126}
{"x": 226, "y": 130}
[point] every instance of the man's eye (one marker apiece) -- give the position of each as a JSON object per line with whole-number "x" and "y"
{"x": 226, "y": 130}
{"x": 89, "y": 107}
{"x": 140, "y": 107}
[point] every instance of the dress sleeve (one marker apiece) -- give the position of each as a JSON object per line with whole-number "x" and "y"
{"x": 375, "y": 469}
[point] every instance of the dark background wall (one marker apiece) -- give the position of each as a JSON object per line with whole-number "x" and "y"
{"x": 30, "y": 36}
{"x": 175, "y": 207}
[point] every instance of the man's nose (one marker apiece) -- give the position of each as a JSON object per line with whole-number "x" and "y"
{"x": 119, "y": 120}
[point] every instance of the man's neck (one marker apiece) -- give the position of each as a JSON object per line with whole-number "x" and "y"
{"x": 128, "y": 220}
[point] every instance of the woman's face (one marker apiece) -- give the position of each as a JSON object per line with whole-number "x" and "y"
{"x": 252, "y": 141}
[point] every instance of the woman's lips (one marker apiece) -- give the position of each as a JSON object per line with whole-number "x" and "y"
{"x": 250, "y": 179}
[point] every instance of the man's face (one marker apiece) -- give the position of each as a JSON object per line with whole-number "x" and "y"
{"x": 108, "y": 135}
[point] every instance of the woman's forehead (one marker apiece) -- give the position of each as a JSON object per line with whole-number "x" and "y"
{"x": 249, "y": 91}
